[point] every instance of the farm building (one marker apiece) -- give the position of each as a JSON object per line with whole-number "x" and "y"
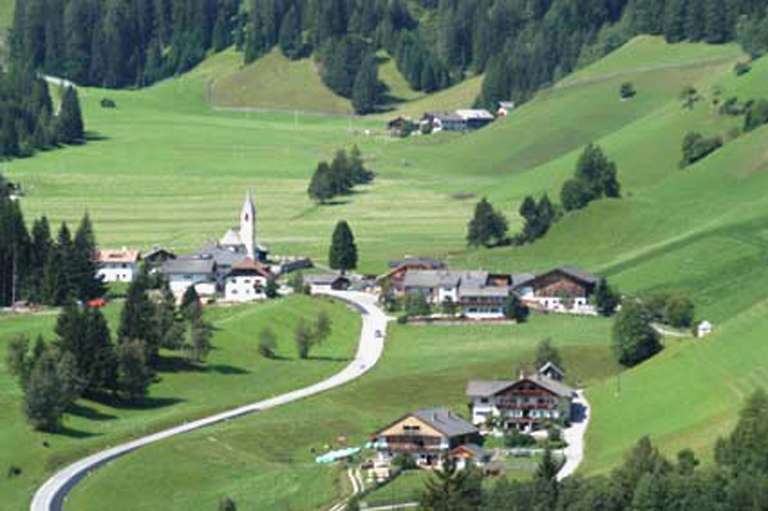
{"x": 183, "y": 272}
{"x": 327, "y": 282}
{"x": 477, "y": 294}
{"x": 399, "y": 268}
{"x": 246, "y": 281}
{"x": 426, "y": 435}
{"x": 117, "y": 265}
{"x": 563, "y": 289}
{"x": 527, "y": 404}
{"x": 459, "y": 120}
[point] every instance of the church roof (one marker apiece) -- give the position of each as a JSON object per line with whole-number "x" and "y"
{"x": 231, "y": 237}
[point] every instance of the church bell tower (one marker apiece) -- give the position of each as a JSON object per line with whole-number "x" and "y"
{"x": 248, "y": 226}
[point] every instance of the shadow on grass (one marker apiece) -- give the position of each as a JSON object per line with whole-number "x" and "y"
{"x": 87, "y": 412}
{"x": 148, "y": 403}
{"x": 227, "y": 369}
{"x": 330, "y": 359}
{"x": 93, "y": 136}
{"x": 75, "y": 433}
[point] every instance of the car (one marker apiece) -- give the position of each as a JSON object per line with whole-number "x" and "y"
{"x": 379, "y": 335}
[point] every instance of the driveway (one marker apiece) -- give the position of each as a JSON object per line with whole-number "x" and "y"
{"x": 50, "y": 496}
{"x": 574, "y": 436}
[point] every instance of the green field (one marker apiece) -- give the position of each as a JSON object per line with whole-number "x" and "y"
{"x": 167, "y": 170}
{"x": 236, "y": 374}
{"x": 266, "y": 461}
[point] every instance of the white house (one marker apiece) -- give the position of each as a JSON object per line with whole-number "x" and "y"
{"x": 184, "y": 272}
{"x": 117, "y": 265}
{"x": 246, "y": 282}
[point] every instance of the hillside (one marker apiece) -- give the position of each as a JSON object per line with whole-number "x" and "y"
{"x": 272, "y": 82}
{"x": 701, "y": 230}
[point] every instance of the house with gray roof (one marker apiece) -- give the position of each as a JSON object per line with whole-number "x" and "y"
{"x": 425, "y": 434}
{"x": 477, "y": 294}
{"x": 184, "y": 272}
{"x": 527, "y": 404}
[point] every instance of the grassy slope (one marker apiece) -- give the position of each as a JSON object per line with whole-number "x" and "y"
{"x": 236, "y": 374}
{"x": 265, "y": 461}
{"x": 274, "y": 82}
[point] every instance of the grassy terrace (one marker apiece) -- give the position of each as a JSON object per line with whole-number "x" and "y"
{"x": 266, "y": 461}
{"x": 236, "y": 375}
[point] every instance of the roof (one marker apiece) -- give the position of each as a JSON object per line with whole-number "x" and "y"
{"x": 117, "y": 256}
{"x": 223, "y": 256}
{"x": 445, "y": 116}
{"x": 552, "y": 366}
{"x": 575, "y": 273}
{"x": 468, "y": 114}
{"x": 323, "y": 279}
{"x": 156, "y": 251}
{"x": 521, "y": 278}
{"x": 189, "y": 265}
{"x": 475, "y": 450}
{"x": 417, "y": 261}
{"x": 487, "y": 388}
{"x": 445, "y": 421}
{"x": 445, "y": 278}
{"x": 231, "y": 237}
{"x": 507, "y": 104}
{"x": 485, "y": 291}
{"x": 249, "y": 267}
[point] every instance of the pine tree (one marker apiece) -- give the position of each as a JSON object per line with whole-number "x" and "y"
{"x": 487, "y": 226}
{"x": 606, "y": 299}
{"x": 87, "y": 284}
{"x": 134, "y": 375}
{"x": 290, "y": 35}
{"x": 69, "y": 127}
{"x": 321, "y": 187}
{"x": 366, "y": 89}
{"x": 343, "y": 252}
{"x": 137, "y": 317}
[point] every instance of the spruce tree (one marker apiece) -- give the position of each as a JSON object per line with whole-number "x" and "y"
{"x": 70, "y": 129}
{"x": 366, "y": 89}
{"x": 487, "y": 226}
{"x": 343, "y": 251}
{"x": 87, "y": 284}
{"x": 134, "y": 375}
{"x": 290, "y": 34}
{"x": 321, "y": 186}
{"x": 137, "y": 317}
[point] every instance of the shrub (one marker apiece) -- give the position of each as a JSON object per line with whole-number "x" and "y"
{"x": 227, "y": 504}
{"x": 514, "y": 438}
{"x": 757, "y": 115}
{"x": 742, "y": 68}
{"x": 634, "y": 339}
{"x": 627, "y": 90}
{"x": 13, "y": 471}
{"x": 108, "y": 103}
{"x": 267, "y": 343}
{"x": 404, "y": 462}
{"x": 697, "y": 147}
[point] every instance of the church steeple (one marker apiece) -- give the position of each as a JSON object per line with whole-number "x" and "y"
{"x": 248, "y": 226}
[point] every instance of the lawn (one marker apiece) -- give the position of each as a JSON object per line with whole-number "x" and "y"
{"x": 422, "y": 366}
{"x": 236, "y": 374}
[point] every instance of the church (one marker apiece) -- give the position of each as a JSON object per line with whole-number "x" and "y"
{"x": 242, "y": 239}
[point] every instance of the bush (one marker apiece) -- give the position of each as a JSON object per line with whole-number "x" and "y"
{"x": 514, "y": 438}
{"x": 267, "y": 343}
{"x": 108, "y": 103}
{"x": 742, "y": 68}
{"x": 627, "y": 90}
{"x": 13, "y": 471}
{"x": 227, "y": 504}
{"x": 696, "y": 147}
{"x": 757, "y": 115}
{"x": 672, "y": 309}
{"x": 404, "y": 462}
{"x": 402, "y": 319}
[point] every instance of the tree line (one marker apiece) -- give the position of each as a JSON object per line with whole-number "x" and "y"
{"x": 520, "y": 45}
{"x": 646, "y": 480}
{"x": 28, "y": 121}
{"x": 83, "y": 360}
{"x": 38, "y": 268}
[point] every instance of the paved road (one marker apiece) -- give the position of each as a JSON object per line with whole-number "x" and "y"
{"x": 50, "y": 496}
{"x": 574, "y": 452}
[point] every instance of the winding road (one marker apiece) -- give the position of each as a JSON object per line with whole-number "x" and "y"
{"x": 51, "y": 495}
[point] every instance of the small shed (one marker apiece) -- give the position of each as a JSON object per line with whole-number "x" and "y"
{"x": 703, "y": 329}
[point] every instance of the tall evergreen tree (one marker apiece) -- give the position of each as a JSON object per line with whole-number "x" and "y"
{"x": 87, "y": 284}
{"x": 487, "y": 227}
{"x": 367, "y": 89}
{"x": 343, "y": 252}
{"x": 70, "y": 128}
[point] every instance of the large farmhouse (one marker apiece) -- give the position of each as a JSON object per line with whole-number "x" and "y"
{"x": 426, "y": 434}
{"x": 526, "y": 404}
{"x": 563, "y": 289}
{"x": 395, "y": 276}
{"x": 478, "y": 294}
{"x": 246, "y": 281}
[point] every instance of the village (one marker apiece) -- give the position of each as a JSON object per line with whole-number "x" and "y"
{"x": 507, "y": 418}
{"x": 462, "y": 120}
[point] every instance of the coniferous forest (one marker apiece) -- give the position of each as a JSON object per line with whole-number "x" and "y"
{"x": 520, "y": 45}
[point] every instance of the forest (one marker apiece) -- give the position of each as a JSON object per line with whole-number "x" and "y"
{"x": 520, "y": 45}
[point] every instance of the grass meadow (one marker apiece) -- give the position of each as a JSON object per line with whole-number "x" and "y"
{"x": 266, "y": 461}
{"x": 236, "y": 374}
{"x": 165, "y": 169}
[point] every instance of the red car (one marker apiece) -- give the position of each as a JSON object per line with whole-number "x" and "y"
{"x": 96, "y": 303}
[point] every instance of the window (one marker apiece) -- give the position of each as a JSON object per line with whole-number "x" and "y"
{"x": 410, "y": 428}
{"x": 484, "y": 400}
